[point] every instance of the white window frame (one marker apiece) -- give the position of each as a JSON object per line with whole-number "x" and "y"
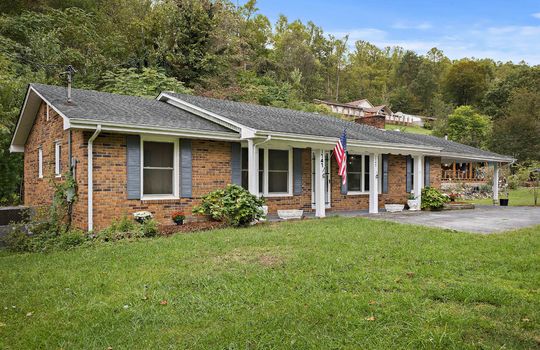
{"x": 289, "y": 177}
{"x": 40, "y": 162}
{"x": 176, "y": 168}
{"x": 379, "y": 177}
{"x": 57, "y": 158}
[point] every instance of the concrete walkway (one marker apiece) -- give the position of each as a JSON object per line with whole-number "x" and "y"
{"x": 482, "y": 219}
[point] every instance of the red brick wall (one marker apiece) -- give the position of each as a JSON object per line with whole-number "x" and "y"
{"x": 38, "y": 192}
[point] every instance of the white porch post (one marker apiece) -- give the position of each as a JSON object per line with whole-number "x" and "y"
{"x": 495, "y": 185}
{"x": 320, "y": 208}
{"x": 418, "y": 177}
{"x": 373, "y": 183}
{"x": 253, "y": 168}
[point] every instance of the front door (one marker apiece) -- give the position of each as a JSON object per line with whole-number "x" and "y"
{"x": 326, "y": 174}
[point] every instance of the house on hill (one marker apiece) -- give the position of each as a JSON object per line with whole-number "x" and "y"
{"x": 129, "y": 153}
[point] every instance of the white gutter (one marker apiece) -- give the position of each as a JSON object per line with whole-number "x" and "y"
{"x": 90, "y": 181}
{"x": 268, "y": 138}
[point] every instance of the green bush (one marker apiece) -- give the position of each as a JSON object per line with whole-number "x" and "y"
{"x": 433, "y": 198}
{"x": 42, "y": 237}
{"x": 127, "y": 228}
{"x": 232, "y": 205}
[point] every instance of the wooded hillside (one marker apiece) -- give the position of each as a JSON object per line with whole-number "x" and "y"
{"x": 218, "y": 49}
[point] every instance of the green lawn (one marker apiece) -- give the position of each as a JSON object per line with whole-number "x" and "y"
{"x": 521, "y": 196}
{"x": 332, "y": 283}
{"x": 411, "y": 129}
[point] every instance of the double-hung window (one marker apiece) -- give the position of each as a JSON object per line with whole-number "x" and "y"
{"x": 275, "y": 176}
{"x": 278, "y": 171}
{"x": 358, "y": 173}
{"x": 57, "y": 159}
{"x": 158, "y": 178}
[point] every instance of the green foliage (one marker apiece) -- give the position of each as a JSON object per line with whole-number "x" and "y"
{"x": 232, "y": 205}
{"x": 149, "y": 82}
{"x": 467, "y": 126}
{"x": 433, "y": 198}
{"x": 127, "y": 228}
{"x": 467, "y": 81}
{"x": 33, "y": 236}
{"x": 518, "y": 132}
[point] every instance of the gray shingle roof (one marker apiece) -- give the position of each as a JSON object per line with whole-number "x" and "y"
{"x": 284, "y": 120}
{"x": 447, "y": 145}
{"x": 130, "y": 110}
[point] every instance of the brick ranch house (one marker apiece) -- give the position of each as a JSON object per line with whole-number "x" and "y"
{"x": 130, "y": 153}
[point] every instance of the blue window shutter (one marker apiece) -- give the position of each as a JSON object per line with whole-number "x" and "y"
{"x": 185, "y": 169}
{"x": 344, "y": 188}
{"x": 384, "y": 173}
{"x": 426, "y": 172}
{"x": 236, "y": 163}
{"x": 297, "y": 171}
{"x": 133, "y": 159}
{"x": 409, "y": 173}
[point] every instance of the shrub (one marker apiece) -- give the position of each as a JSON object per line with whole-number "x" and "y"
{"x": 232, "y": 205}
{"x": 433, "y": 198}
{"x": 42, "y": 237}
{"x": 126, "y": 228}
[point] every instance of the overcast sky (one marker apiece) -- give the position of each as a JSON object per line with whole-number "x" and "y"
{"x": 502, "y": 30}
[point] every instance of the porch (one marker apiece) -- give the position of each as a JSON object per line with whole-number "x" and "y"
{"x": 463, "y": 171}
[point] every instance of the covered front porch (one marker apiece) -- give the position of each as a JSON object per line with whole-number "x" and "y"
{"x": 305, "y": 173}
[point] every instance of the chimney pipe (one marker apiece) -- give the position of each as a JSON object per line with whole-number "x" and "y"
{"x": 69, "y": 78}
{"x": 446, "y": 136}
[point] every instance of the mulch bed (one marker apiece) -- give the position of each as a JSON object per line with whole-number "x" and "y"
{"x": 167, "y": 230}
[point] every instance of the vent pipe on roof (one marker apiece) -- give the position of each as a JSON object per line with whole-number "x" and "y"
{"x": 69, "y": 78}
{"x": 446, "y": 136}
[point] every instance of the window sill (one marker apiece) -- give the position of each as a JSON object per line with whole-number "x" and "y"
{"x": 159, "y": 198}
{"x": 356, "y": 193}
{"x": 274, "y": 195}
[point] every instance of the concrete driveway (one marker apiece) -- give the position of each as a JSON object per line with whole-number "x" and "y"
{"x": 482, "y": 219}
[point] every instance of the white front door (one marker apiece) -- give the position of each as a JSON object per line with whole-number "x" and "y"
{"x": 327, "y": 176}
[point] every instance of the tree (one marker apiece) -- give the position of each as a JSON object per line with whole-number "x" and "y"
{"x": 467, "y": 126}
{"x": 467, "y": 81}
{"x": 149, "y": 82}
{"x": 518, "y": 133}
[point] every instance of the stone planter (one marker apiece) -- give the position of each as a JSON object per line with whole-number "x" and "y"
{"x": 414, "y": 204}
{"x": 265, "y": 210}
{"x": 290, "y": 214}
{"x": 393, "y": 208}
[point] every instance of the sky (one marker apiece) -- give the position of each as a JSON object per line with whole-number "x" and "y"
{"x": 501, "y": 30}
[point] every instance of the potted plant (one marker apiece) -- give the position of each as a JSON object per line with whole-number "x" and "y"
{"x": 413, "y": 202}
{"x": 503, "y": 202}
{"x": 178, "y": 217}
{"x": 142, "y": 216}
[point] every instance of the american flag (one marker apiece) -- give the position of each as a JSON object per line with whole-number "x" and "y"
{"x": 340, "y": 151}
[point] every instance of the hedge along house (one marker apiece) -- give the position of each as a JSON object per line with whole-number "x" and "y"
{"x": 130, "y": 153}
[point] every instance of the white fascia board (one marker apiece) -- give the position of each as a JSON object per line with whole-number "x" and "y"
{"x": 211, "y": 116}
{"x": 331, "y": 141}
{"x": 464, "y": 156}
{"x": 131, "y": 129}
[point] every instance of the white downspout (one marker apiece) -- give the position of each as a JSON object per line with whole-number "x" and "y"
{"x": 90, "y": 181}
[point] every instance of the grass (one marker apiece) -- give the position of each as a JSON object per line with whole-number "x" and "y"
{"x": 412, "y": 129}
{"x": 332, "y": 283}
{"x": 519, "y": 197}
